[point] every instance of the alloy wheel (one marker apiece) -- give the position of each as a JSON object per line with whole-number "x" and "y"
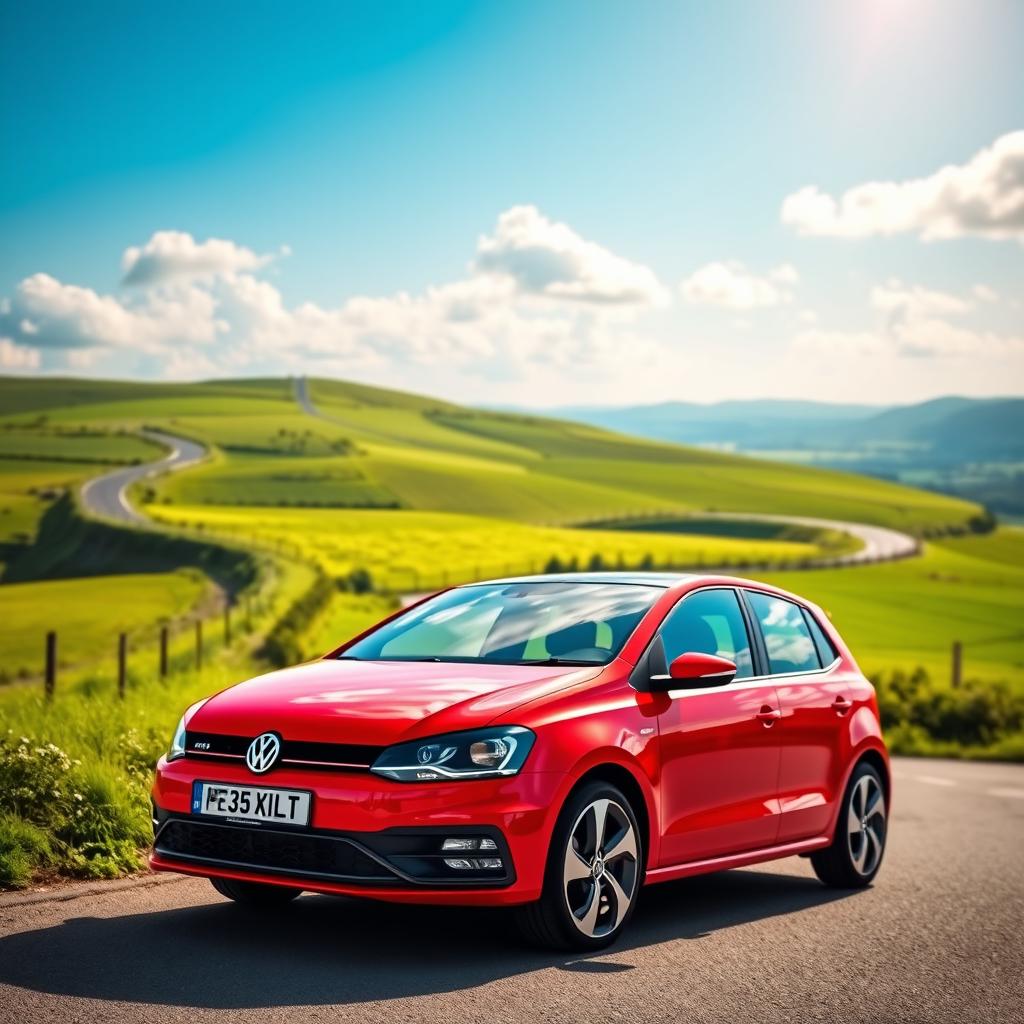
{"x": 865, "y": 824}
{"x": 601, "y": 868}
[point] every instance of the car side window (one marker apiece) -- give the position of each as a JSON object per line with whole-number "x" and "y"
{"x": 709, "y": 622}
{"x": 827, "y": 652}
{"x": 787, "y": 639}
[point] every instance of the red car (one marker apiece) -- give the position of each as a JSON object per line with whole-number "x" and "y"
{"x": 548, "y": 743}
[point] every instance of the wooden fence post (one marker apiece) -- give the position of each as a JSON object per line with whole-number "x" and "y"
{"x": 122, "y": 663}
{"x": 163, "y": 651}
{"x": 199, "y": 643}
{"x": 51, "y": 664}
{"x": 957, "y": 664}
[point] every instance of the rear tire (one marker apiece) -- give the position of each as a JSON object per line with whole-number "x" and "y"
{"x": 853, "y": 859}
{"x": 254, "y": 894}
{"x": 593, "y": 873}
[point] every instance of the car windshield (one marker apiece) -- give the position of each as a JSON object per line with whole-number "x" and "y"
{"x": 513, "y": 624}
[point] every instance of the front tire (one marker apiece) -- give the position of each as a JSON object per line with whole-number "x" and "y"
{"x": 593, "y": 873}
{"x": 853, "y": 859}
{"x": 254, "y": 894}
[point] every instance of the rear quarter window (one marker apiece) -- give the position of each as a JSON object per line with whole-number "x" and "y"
{"x": 827, "y": 652}
{"x": 787, "y": 638}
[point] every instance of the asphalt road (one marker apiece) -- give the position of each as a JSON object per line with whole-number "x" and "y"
{"x": 878, "y": 542}
{"x": 939, "y": 937}
{"x": 106, "y": 496}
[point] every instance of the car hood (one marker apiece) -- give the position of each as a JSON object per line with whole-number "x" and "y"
{"x": 378, "y": 702}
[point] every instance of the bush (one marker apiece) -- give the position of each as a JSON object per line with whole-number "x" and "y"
{"x": 88, "y": 821}
{"x": 925, "y": 717}
{"x": 24, "y": 848}
{"x": 360, "y": 581}
{"x": 282, "y": 645}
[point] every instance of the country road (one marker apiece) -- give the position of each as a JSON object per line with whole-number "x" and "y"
{"x": 106, "y": 496}
{"x": 878, "y": 543}
{"x": 938, "y": 937}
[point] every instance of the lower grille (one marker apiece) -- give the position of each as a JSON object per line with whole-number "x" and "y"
{"x": 292, "y": 853}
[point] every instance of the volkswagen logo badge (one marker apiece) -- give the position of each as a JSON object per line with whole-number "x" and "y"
{"x": 263, "y": 752}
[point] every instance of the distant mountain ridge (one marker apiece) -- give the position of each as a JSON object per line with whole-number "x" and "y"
{"x": 972, "y": 447}
{"x": 979, "y": 427}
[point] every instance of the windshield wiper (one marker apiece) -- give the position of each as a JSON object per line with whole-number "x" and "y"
{"x": 557, "y": 661}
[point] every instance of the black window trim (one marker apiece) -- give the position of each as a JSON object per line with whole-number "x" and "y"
{"x": 641, "y": 669}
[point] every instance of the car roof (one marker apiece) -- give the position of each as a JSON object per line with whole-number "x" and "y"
{"x": 645, "y": 579}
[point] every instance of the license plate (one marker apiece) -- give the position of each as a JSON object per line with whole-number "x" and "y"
{"x": 251, "y": 803}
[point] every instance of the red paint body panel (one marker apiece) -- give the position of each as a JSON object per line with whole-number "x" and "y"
{"x": 728, "y": 774}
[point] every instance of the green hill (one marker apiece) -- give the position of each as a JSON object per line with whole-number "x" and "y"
{"x": 371, "y": 447}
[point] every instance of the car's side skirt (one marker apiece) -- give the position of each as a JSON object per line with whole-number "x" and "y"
{"x": 735, "y": 860}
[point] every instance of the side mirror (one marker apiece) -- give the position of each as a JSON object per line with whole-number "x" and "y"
{"x": 696, "y": 670}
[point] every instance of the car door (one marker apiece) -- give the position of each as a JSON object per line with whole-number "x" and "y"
{"x": 719, "y": 744}
{"x": 815, "y": 700}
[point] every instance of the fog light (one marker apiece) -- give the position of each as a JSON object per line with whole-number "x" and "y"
{"x": 460, "y": 844}
{"x": 468, "y": 843}
{"x": 474, "y": 863}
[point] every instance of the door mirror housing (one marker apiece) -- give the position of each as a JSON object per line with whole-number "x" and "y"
{"x": 694, "y": 670}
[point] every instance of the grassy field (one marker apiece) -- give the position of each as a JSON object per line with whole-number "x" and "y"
{"x": 416, "y": 550}
{"x": 907, "y": 614}
{"x": 38, "y": 461}
{"x": 78, "y": 608}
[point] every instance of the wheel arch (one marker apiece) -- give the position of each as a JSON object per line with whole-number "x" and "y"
{"x": 877, "y": 760}
{"x": 619, "y": 775}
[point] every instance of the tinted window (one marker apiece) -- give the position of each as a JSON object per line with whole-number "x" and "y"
{"x": 513, "y": 623}
{"x": 709, "y": 622}
{"x": 826, "y": 649}
{"x": 786, "y": 636}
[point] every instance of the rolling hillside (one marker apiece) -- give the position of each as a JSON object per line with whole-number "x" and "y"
{"x": 420, "y": 492}
{"x": 373, "y": 448}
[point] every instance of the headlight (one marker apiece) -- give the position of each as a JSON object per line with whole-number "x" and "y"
{"x": 479, "y": 754}
{"x": 177, "y": 747}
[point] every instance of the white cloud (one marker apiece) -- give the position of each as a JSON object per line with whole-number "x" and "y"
{"x": 906, "y": 302}
{"x": 45, "y": 313}
{"x": 915, "y": 324}
{"x": 732, "y": 285}
{"x": 983, "y": 197}
{"x": 176, "y": 255}
{"x": 197, "y": 311}
{"x": 17, "y": 357}
{"x": 986, "y": 294}
{"x": 545, "y": 257}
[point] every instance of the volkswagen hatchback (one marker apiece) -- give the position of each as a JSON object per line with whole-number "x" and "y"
{"x": 549, "y": 743}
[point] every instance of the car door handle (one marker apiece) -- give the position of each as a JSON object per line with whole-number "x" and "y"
{"x": 768, "y": 715}
{"x": 841, "y": 705}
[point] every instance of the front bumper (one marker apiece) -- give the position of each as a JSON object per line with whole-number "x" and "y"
{"x": 368, "y": 836}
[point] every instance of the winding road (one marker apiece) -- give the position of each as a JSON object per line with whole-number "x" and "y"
{"x": 106, "y": 496}
{"x": 937, "y": 938}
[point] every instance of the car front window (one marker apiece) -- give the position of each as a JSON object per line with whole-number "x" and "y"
{"x": 513, "y": 623}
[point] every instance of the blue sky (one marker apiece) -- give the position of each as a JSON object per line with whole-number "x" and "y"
{"x": 351, "y": 158}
